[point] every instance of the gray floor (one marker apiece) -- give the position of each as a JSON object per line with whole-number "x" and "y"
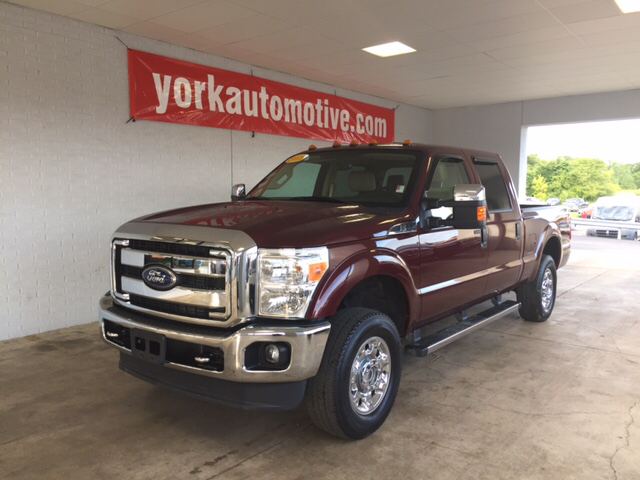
{"x": 558, "y": 400}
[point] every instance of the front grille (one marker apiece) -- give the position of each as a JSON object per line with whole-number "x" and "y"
{"x": 184, "y": 280}
{"x": 202, "y": 289}
{"x": 174, "y": 248}
{"x": 607, "y": 233}
{"x": 172, "y": 307}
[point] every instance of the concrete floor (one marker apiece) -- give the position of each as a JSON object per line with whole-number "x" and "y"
{"x": 558, "y": 400}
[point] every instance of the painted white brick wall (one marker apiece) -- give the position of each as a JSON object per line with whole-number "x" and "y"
{"x": 72, "y": 170}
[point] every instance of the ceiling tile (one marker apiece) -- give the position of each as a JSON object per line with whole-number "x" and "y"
{"x": 204, "y": 15}
{"x": 538, "y": 48}
{"x": 280, "y": 40}
{"x": 104, "y": 18}
{"x": 586, "y": 11}
{"x": 522, "y": 38}
{"x": 612, "y": 38}
{"x": 146, "y": 9}
{"x": 497, "y": 28}
{"x": 196, "y": 42}
{"x": 238, "y": 30}
{"x": 153, "y": 30}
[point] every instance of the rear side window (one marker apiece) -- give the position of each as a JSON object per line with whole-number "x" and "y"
{"x": 493, "y": 182}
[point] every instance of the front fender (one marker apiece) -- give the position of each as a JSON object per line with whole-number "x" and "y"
{"x": 356, "y": 267}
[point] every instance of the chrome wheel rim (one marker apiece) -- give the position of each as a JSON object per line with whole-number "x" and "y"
{"x": 370, "y": 376}
{"x": 547, "y": 290}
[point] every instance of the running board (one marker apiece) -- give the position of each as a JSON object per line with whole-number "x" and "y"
{"x": 447, "y": 335}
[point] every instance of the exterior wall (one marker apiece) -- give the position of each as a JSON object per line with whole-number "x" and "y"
{"x": 502, "y": 128}
{"x": 72, "y": 170}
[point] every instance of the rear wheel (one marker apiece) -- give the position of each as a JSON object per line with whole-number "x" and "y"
{"x": 538, "y": 297}
{"x": 356, "y": 385}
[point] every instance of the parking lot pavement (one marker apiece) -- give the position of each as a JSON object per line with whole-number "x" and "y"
{"x": 516, "y": 400}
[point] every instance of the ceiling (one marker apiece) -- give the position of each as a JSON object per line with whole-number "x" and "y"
{"x": 469, "y": 52}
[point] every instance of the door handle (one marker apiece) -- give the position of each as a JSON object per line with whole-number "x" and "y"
{"x": 518, "y": 229}
{"x": 484, "y": 237}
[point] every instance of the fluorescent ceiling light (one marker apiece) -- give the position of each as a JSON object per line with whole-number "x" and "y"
{"x": 629, "y": 6}
{"x": 389, "y": 49}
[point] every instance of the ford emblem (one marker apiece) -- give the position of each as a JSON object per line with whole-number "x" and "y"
{"x": 159, "y": 278}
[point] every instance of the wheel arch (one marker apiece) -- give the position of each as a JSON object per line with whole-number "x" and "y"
{"x": 376, "y": 279}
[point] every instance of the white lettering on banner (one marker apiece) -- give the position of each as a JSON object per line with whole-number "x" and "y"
{"x": 181, "y": 85}
{"x": 275, "y": 108}
{"x": 199, "y": 88}
{"x": 234, "y": 104}
{"x": 344, "y": 120}
{"x": 162, "y": 90}
{"x": 254, "y": 104}
{"x": 263, "y": 103}
{"x": 215, "y": 103}
{"x": 248, "y": 110}
{"x": 308, "y": 114}
{"x": 292, "y": 111}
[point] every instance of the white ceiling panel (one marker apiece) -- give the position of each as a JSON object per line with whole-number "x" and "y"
{"x": 469, "y": 52}
{"x": 203, "y": 15}
{"x": 105, "y": 17}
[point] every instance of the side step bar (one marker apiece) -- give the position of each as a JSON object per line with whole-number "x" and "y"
{"x": 447, "y": 335}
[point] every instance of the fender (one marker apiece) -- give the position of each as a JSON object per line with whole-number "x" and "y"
{"x": 354, "y": 269}
{"x": 551, "y": 231}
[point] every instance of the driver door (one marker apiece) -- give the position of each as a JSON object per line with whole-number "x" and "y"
{"x": 452, "y": 260}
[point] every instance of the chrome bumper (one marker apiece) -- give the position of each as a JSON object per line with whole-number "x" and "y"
{"x": 307, "y": 345}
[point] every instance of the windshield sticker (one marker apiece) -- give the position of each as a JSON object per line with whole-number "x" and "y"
{"x": 400, "y": 189}
{"x": 297, "y": 158}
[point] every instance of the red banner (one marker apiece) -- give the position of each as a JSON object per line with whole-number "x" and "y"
{"x": 169, "y": 90}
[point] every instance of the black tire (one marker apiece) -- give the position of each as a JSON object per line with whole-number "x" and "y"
{"x": 328, "y": 396}
{"x": 534, "y": 305}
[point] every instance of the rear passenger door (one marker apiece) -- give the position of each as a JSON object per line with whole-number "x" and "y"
{"x": 504, "y": 226}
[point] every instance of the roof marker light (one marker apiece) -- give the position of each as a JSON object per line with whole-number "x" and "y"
{"x": 373, "y": 142}
{"x": 312, "y": 147}
{"x": 354, "y": 143}
{"x": 336, "y": 144}
{"x": 406, "y": 143}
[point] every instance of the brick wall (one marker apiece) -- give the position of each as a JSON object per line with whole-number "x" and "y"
{"x": 72, "y": 170}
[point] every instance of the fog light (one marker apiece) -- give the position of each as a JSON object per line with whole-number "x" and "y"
{"x": 272, "y": 354}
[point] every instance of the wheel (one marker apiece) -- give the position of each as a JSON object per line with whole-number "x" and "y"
{"x": 358, "y": 379}
{"x": 538, "y": 297}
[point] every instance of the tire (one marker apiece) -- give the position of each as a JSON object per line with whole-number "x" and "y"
{"x": 538, "y": 297}
{"x": 338, "y": 399}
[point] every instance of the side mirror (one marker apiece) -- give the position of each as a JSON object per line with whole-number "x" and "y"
{"x": 469, "y": 205}
{"x": 238, "y": 192}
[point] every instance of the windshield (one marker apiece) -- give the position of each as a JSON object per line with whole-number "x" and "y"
{"x": 621, "y": 213}
{"x": 366, "y": 177}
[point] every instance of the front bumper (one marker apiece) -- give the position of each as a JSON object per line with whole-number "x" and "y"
{"x": 307, "y": 344}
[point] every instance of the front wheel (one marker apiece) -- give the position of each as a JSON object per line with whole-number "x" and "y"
{"x": 356, "y": 385}
{"x": 538, "y": 297}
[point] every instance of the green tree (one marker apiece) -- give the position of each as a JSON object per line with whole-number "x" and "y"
{"x": 540, "y": 188}
{"x": 624, "y": 177}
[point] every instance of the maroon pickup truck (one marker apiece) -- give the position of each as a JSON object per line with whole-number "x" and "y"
{"x": 314, "y": 284}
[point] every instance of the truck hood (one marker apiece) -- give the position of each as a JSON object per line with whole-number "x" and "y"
{"x": 288, "y": 223}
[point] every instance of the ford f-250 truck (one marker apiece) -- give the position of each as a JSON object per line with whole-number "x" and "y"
{"x": 316, "y": 282}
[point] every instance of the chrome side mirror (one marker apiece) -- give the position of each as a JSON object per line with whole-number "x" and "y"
{"x": 468, "y": 192}
{"x": 468, "y": 205}
{"x": 238, "y": 192}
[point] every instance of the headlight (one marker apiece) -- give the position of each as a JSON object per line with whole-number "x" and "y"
{"x": 287, "y": 278}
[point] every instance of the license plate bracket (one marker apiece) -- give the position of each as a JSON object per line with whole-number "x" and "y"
{"x": 148, "y": 346}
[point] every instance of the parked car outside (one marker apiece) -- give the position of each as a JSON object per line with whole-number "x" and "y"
{"x": 575, "y": 204}
{"x": 620, "y": 208}
{"x": 553, "y": 201}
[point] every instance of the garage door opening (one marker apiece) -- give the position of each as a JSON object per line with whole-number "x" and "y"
{"x": 593, "y": 169}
